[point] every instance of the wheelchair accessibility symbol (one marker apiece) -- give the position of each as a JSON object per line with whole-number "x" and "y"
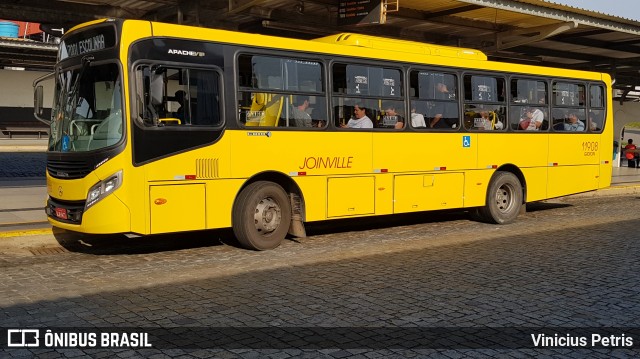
{"x": 466, "y": 141}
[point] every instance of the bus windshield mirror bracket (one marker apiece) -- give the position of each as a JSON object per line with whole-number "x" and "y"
{"x": 156, "y": 88}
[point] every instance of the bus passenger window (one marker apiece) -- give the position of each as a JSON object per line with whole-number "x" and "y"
{"x": 595, "y": 121}
{"x": 526, "y": 91}
{"x": 179, "y": 96}
{"x": 280, "y": 92}
{"x": 374, "y": 97}
{"x": 569, "y": 107}
{"x": 485, "y": 107}
{"x": 434, "y": 100}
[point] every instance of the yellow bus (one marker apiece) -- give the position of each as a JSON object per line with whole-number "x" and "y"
{"x": 161, "y": 128}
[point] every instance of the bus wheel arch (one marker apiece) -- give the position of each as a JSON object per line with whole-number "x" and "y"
{"x": 518, "y": 173}
{"x": 262, "y": 211}
{"x": 505, "y": 196}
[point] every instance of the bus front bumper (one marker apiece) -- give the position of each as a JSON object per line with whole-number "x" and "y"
{"x": 109, "y": 215}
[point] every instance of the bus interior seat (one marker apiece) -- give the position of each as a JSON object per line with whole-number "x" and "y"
{"x": 545, "y": 125}
{"x": 106, "y": 133}
{"x": 271, "y": 107}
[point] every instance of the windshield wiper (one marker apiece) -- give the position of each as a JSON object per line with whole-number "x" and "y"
{"x": 73, "y": 94}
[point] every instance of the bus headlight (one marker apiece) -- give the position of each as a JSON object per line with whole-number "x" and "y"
{"x": 103, "y": 188}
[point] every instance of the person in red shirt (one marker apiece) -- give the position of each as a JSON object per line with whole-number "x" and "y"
{"x": 632, "y": 157}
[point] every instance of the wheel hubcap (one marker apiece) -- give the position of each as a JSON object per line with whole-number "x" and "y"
{"x": 504, "y": 198}
{"x": 268, "y": 216}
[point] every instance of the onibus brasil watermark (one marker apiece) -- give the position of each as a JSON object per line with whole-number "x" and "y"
{"x": 47, "y": 338}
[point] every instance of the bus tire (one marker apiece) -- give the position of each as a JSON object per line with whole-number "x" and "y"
{"x": 261, "y": 216}
{"x": 504, "y": 199}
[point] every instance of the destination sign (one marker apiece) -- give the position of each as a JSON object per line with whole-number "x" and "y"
{"x": 87, "y": 45}
{"x": 89, "y": 41}
{"x": 354, "y": 12}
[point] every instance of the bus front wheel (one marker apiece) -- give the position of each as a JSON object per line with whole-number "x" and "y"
{"x": 261, "y": 216}
{"x": 504, "y": 199}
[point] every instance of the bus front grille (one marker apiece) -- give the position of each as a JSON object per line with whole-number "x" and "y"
{"x": 68, "y": 168}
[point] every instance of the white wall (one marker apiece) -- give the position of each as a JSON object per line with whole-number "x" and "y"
{"x": 17, "y": 88}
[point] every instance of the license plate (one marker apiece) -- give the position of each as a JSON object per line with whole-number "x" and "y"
{"x": 61, "y": 213}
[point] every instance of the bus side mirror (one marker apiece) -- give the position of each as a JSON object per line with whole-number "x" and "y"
{"x": 38, "y": 98}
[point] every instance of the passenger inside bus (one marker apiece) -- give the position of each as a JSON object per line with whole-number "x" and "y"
{"x": 417, "y": 119}
{"x": 299, "y": 111}
{"x": 574, "y": 123}
{"x": 391, "y": 118}
{"x": 360, "y": 119}
{"x": 532, "y": 119}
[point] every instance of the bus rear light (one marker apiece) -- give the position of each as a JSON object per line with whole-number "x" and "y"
{"x": 553, "y": 164}
{"x": 190, "y": 177}
{"x": 381, "y": 170}
{"x": 492, "y": 166}
{"x": 293, "y": 174}
{"x": 440, "y": 169}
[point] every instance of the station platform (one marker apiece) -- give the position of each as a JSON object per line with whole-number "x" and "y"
{"x": 23, "y": 145}
{"x": 625, "y": 176}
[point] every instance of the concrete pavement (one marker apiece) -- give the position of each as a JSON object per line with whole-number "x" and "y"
{"x": 565, "y": 267}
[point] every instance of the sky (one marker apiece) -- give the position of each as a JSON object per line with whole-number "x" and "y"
{"x": 629, "y": 9}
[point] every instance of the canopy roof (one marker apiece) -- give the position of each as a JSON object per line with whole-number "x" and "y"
{"x": 527, "y": 31}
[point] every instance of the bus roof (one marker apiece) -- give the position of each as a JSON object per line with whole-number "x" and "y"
{"x": 413, "y": 47}
{"x": 373, "y": 47}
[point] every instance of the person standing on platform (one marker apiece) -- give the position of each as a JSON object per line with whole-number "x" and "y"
{"x": 632, "y": 157}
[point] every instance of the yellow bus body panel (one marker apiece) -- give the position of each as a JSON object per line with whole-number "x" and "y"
{"x": 313, "y": 152}
{"x": 573, "y": 163}
{"x": 177, "y": 207}
{"x": 350, "y": 196}
{"x": 70, "y": 189}
{"x": 314, "y": 196}
{"x": 432, "y": 191}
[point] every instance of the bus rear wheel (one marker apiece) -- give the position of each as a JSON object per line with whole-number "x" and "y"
{"x": 261, "y": 216}
{"x": 504, "y": 199}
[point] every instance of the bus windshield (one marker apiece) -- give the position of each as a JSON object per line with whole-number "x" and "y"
{"x": 87, "y": 109}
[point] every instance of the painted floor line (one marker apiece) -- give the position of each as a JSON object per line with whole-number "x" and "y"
{"x": 26, "y": 232}
{"x": 27, "y": 223}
